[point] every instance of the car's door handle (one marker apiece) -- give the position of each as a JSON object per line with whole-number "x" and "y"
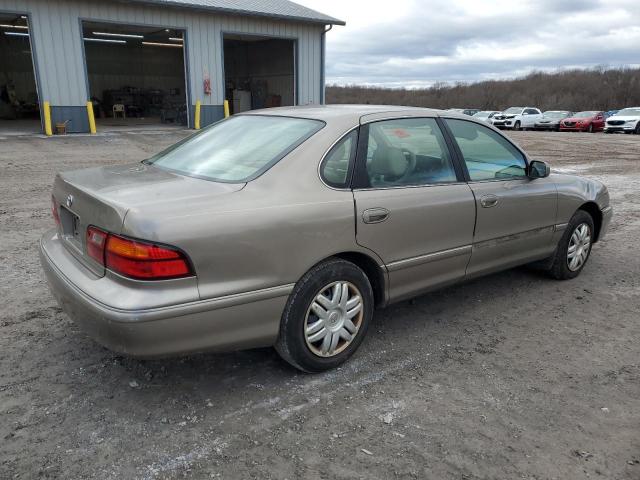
{"x": 488, "y": 201}
{"x": 375, "y": 215}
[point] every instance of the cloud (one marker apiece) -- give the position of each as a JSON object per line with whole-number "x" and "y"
{"x": 418, "y": 43}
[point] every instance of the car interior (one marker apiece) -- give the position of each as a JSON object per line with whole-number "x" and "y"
{"x": 407, "y": 152}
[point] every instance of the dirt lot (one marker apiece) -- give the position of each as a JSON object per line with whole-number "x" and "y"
{"x": 510, "y": 376}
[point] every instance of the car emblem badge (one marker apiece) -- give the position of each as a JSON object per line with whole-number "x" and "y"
{"x": 69, "y": 200}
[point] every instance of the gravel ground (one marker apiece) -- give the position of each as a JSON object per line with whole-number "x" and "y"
{"x": 509, "y": 376}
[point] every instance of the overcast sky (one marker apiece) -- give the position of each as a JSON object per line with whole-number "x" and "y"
{"x": 414, "y": 43}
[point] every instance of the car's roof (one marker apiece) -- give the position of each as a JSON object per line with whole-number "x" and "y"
{"x": 347, "y": 112}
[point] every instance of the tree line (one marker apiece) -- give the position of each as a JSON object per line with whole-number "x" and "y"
{"x": 594, "y": 89}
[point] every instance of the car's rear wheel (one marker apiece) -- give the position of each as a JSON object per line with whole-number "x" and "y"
{"x": 574, "y": 247}
{"x": 327, "y": 316}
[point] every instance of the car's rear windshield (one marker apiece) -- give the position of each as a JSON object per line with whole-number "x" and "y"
{"x": 237, "y": 149}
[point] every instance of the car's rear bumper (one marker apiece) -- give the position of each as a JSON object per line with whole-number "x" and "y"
{"x": 233, "y": 322}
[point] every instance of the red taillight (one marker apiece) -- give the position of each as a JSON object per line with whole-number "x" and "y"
{"x": 144, "y": 261}
{"x": 96, "y": 241}
{"x": 54, "y": 210}
{"x": 136, "y": 258}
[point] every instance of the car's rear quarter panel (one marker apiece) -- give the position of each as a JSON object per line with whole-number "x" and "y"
{"x": 267, "y": 234}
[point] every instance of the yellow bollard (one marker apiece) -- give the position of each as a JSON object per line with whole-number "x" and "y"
{"x": 92, "y": 120}
{"x": 197, "y": 116}
{"x": 46, "y": 107}
{"x": 226, "y": 108}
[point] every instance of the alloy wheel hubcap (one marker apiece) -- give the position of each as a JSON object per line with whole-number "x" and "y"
{"x": 579, "y": 246}
{"x": 333, "y": 319}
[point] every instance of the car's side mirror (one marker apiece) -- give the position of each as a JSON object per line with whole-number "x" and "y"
{"x": 538, "y": 169}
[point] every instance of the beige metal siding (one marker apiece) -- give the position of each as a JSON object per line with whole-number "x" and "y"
{"x": 56, "y": 38}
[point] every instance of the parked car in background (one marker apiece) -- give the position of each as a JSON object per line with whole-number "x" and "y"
{"x": 486, "y": 115}
{"x": 587, "y": 121}
{"x": 550, "y": 120}
{"x": 608, "y": 113}
{"x": 466, "y": 111}
{"x": 171, "y": 256}
{"x": 626, "y": 120}
{"x": 517, "y": 118}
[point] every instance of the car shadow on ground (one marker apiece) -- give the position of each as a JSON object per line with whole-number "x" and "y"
{"x": 440, "y": 317}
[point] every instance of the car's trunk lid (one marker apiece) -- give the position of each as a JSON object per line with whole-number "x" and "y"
{"x": 102, "y": 197}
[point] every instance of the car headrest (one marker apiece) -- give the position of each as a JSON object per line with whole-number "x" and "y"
{"x": 388, "y": 161}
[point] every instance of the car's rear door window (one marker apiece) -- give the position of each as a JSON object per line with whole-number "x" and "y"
{"x": 407, "y": 151}
{"x": 487, "y": 154}
{"x": 237, "y": 149}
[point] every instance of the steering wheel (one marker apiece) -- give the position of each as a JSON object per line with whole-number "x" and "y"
{"x": 411, "y": 165}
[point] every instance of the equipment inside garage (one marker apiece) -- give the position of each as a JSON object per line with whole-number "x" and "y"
{"x": 19, "y": 105}
{"x": 136, "y": 74}
{"x": 259, "y": 72}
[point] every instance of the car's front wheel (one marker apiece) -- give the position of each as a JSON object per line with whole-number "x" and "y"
{"x": 574, "y": 247}
{"x": 516, "y": 126}
{"x": 326, "y": 317}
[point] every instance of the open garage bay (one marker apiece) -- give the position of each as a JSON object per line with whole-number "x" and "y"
{"x": 509, "y": 376}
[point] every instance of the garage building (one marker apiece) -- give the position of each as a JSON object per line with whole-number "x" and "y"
{"x": 150, "y": 62}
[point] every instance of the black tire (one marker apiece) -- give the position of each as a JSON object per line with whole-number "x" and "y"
{"x": 637, "y": 130}
{"x": 516, "y": 126}
{"x": 291, "y": 344}
{"x": 559, "y": 267}
{"x": 590, "y": 129}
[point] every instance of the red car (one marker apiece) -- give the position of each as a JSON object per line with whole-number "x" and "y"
{"x": 583, "y": 122}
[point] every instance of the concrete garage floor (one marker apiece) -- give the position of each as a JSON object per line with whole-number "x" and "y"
{"x": 19, "y": 127}
{"x": 510, "y": 376}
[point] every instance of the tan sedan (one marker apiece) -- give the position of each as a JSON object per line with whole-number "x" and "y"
{"x": 288, "y": 226}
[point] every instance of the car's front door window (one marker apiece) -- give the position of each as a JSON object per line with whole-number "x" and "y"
{"x": 487, "y": 154}
{"x": 406, "y": 152}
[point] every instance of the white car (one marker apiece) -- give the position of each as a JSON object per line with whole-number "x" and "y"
{"x": 626, "y": 120}
{"x": 486, "y": 115}
{"x": 517, "y": 118}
